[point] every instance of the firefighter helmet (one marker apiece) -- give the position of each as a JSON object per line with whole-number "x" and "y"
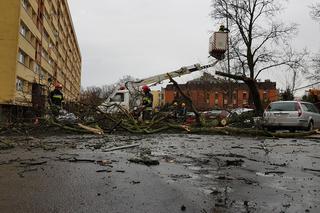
{"x": 145, "y": 88}
{"x": 58, "y": 86}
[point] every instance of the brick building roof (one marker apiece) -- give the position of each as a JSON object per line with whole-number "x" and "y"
{"x": 210, "y": 82}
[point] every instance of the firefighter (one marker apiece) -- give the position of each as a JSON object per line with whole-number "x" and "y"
{"x": 147, "y": 103}
{"x": 182, "y": 112}
{"x": 222, "y": 28}
{"x": 56, "y": 98}
{"x": 173, "y": 110}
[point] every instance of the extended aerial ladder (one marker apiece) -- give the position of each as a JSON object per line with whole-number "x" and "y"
{"x": 121, "y": 96}
{"x": 158, "y": 79}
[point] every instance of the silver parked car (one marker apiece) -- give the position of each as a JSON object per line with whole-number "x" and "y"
{"x": 291, "y": 115}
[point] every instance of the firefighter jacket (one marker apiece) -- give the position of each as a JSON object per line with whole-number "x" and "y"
{"x": 147, "y": 101}
{"x": 56, "y": 97}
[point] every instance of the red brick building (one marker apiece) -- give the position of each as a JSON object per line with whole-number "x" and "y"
{"x": 208, "y": 93}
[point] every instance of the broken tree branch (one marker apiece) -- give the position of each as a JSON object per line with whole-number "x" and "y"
{"x": 187, "y": 98}
{"x": 121, "y": 147}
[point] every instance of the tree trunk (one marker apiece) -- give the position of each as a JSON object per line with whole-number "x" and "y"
{"x": 254, "y": 94}
{"x": 253, "y": 88}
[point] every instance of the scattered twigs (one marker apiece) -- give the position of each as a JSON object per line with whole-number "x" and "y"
{"x": 121, "y": 147}
{"x": 312, "y": 170}
{"x": 274, "y": 172}
{"x": 115, "y": 126}
{"x": 81, "y": 160}
{"x": 33, "y": 163}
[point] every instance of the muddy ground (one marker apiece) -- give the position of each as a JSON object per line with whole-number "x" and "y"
{"x": 196, "y": 173}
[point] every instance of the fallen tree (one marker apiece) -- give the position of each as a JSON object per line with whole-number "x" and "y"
{"x": 187, "y": 99}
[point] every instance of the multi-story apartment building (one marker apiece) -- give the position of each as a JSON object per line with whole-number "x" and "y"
{"x": 38, "y": 48}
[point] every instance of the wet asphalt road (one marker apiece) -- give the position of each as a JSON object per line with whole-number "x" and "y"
{"x": 197, "y": 173}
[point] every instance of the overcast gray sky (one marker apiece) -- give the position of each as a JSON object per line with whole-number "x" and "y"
{"x": 143, "y": 37}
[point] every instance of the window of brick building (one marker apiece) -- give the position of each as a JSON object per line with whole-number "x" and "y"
{"x": 216, "y": 99}
{"x": 265, "y": 96}
{"x": 225, "y": 98}
{"x": 245, "y": 98}
{"x": 235, "y": 98}
{"x": 207, "y": 97}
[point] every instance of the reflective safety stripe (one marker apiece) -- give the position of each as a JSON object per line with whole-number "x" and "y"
{"x": 57, "y": 96}
{"x": 148, "y": 100}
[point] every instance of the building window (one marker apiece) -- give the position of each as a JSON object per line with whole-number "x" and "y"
{"x": 225, "y": 100}
{"x": 216, "y": 99}
{"x": 45, "y": 54}
{"x": 235, "y": 98}
{"x": 42, "y": 74}
{"x": 265, "y": 96}
{"x": 207, "y": 97}
{"x": 19, "y": 84}
{"x": 46, "y": 35}
{"x": 37, "y": 69}
{"x": 23, "y": 30}
{"x": 22, "y": 57}
{"x": 24, "y": 4}
{"x": 46, "y": 14}
{"x": 245, "y": 98}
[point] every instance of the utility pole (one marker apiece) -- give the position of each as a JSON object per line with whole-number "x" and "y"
{"x": 230, "y": 89}
{"x": 228, "y": 50}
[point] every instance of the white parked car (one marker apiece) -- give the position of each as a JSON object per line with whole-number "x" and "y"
{"x": 291, "y": 115}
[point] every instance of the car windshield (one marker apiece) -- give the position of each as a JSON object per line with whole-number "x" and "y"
{"x": 282, "y": 106}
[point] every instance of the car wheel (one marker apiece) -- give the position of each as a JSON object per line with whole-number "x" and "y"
{"x": 310, "y": 126}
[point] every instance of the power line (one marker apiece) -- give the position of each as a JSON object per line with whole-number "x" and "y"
{"x": 307, "y": 86}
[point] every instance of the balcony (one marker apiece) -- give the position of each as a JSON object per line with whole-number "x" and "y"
{"x": 29, "y": 22}
{"x": 27, "y": 47}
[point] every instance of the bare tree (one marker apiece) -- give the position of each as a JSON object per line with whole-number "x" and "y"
{"x": 315, "y": 76}
{"x": 258, "y": 41}
{"x": 315, "y": 12}
{"x": 91, "y": 96}
{"x": 94, "y": 96}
